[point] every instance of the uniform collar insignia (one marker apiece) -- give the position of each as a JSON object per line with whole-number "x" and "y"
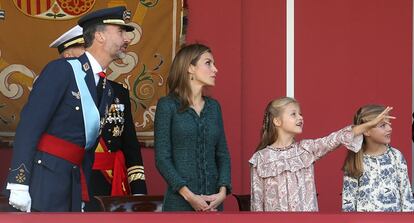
{"x": 86, "y": 66}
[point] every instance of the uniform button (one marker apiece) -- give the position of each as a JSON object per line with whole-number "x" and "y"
{"x": 39, "y": 161}
{"x": 77, "y": 108}
{"x": 109, "y": 141}
{"x": 74, "y": 167}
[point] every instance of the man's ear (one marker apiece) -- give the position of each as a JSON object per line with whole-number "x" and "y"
{"x": 99, "y": 36}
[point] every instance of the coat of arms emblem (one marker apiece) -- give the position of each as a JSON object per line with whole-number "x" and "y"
{"x": 54, "y": 9}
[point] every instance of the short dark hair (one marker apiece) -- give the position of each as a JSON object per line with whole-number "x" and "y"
{"x": 89, "y": 33}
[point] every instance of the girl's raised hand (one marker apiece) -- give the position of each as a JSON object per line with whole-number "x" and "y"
{"x": 383, "y": 117}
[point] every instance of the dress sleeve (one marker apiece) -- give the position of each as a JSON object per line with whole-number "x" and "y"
{"x": 257, "y": 191}
{"x": 223, "y": 157}
{"x": 407, "y": 200}
{"x": 163, "y": 147}
{"x": 320, "y": 147}
{"x": 349, "y": 194}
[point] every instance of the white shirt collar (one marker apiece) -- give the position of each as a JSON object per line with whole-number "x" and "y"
{"x": 96, "y": 67}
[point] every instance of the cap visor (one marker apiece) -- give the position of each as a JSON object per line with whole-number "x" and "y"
{"x": 128, "y": 28}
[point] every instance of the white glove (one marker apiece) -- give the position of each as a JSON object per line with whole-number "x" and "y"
{"x": 82, "y": 206}
{"x": 20, "y": 197}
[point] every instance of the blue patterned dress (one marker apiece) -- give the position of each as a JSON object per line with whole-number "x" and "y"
{"x": 384, "y": 185}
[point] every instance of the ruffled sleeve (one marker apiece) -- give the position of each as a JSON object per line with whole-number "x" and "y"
{"x": 257, "y": 186}
{"x": 270, "y": 162}
{"x": 320, "y": 147}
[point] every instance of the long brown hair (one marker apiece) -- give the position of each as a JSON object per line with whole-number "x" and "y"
{"x": 178, "y": 80}
{"x": 273, "y": 110}
{"x": 354, "y": 165}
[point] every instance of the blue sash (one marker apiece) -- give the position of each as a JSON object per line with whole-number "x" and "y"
{"x": 91, "y": 116}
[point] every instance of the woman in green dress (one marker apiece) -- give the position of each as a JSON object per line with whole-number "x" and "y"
{"x": 190, "y": 145}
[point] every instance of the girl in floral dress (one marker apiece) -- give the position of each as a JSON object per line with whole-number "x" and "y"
{"x": 282, "y": 175}
{"x": 376, "y": 178}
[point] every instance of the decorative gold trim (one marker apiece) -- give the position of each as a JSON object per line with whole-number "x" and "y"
{"x": 138, "y": 176}
{"x": 114, "y": 21}
{"x": 135, "y": 167}
{"x": 21, "y": 176}
{"x": 75, "y": 41}
{"x": 135, "y": 171}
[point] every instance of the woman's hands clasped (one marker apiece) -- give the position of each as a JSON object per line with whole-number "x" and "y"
{"x": 215, "y": 199}
{"x": 203, "y": 202}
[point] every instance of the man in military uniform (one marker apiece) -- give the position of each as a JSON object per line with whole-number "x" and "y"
{"x": 70, "y": 43}
{"x": 118, "y": 168}
{"x": 61, "y": 121}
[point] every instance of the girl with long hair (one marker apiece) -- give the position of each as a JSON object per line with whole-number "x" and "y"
{"x": 282, "y": 174}
{"x": 376, "y": 177}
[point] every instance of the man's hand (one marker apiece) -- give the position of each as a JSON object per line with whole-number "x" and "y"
{"x": 19, "y": 196}
{"x": 20, "y": 199}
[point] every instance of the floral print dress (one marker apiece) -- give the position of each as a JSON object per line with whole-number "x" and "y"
{"x": 384, "y": 185}
{"x": 283, "y": 179}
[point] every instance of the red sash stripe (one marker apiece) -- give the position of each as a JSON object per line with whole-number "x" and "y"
{"x": 115, "y": 162}
{"x": 67, "y": 151}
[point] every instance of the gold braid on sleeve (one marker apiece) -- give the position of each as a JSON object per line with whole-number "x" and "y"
{"x": 135, "y": 173}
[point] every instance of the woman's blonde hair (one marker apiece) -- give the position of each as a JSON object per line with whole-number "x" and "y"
{"x": 354, "y": 165}
{"x": 178, "y": 80}
{"x": 273, "y": 110}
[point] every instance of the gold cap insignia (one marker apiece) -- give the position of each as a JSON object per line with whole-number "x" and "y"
{"x": 126, "y": 16}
